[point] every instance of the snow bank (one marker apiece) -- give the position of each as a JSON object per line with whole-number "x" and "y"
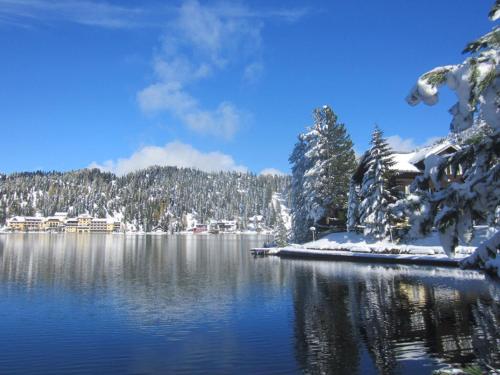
{"x": 342, "y": 255}
{"x": 429, "y": 245}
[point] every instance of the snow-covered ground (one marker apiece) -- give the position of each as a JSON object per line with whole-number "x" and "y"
{"x": 429, "y": 245}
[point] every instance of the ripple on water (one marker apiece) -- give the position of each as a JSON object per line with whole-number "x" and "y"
{"x": 127, "y": 305}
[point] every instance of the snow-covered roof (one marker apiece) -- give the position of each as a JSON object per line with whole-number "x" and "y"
{"x": 19, "y": 219}
{"x": 58, "y": 218}
{"x": 403, "y": 162}
{"x": 421, "y": 154}
{"x": 406, "y": 161}
{"x": 22, "y": 219}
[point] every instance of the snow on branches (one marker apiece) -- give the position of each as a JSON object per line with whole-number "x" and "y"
{"x": 322, "y": 163}
{"x": 474, "y": 194}
{"x": 475, "y": 81}
{"x": 375, "y": 189}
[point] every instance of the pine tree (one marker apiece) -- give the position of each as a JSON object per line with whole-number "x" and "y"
{"x": 300, "y": 164}
{"x": 352, "y": 207}
{"x": 154, "y": 198}
{"x": 453, "y": 207}
{"x": 376, "y": 191}
{"x": 280, "y": 233}
{"x": 332, "y": 161}
{"x": 322, "y": 161}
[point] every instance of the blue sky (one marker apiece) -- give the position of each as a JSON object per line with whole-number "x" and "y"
{"x": 215, "y": 85}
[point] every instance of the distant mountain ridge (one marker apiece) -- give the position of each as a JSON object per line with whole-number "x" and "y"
{"x": 149, "y": 199}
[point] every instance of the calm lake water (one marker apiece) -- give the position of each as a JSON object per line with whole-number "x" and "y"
{"x": 115, "y": 304}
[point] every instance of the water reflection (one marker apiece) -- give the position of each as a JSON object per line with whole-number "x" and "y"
{"x": 198, "y": 304}
{"x": 363, "y": 319}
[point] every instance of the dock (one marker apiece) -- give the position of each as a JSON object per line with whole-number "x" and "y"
{"x": 348, "y": 256}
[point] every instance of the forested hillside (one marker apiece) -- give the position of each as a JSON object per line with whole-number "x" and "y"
{"x": 154, "y": 198}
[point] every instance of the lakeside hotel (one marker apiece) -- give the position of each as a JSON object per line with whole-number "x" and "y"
{"x": 60, "y": 222}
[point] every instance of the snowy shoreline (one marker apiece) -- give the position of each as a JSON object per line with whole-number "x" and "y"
{"x": 349, "y": 256}
{"x": 353, "y": 247}
{"x": 429, "y": 245}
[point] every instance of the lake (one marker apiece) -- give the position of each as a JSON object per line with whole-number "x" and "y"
{"x": 186, "y": 304}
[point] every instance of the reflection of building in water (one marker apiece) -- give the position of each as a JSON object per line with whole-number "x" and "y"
{"x": 340, "y": 316}
{"x": 161, "y": 278}
{"x": 346, "y": 318}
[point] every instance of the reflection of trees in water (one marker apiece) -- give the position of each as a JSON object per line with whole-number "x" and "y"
{"x": 154, "y": 279}
{"x": 375, "y": 317}
{"x": 392, "y": 316}
{"x": 324, "y": 330}
{"x": 486, "y": 342}
{"x": 348, "y": 318}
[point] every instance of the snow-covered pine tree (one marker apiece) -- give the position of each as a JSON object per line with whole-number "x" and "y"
{"x": 153, "y": 198}
{"x": 322, "y": 163}
{"x": 453, "y": 207}
{"x": 375, "y": 191}
{"x": 352, "y": 207}
{"x": 300, "y": 164}
{"x": 332, "y": 162}
{"x": 280, "y": 232}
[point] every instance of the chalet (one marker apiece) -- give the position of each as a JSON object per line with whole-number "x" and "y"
{"x": 408, "y": 165}
{"x": 412, "y": 164}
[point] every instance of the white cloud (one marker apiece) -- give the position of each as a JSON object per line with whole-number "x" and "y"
{"x": 200, "y": 41}
{"x": 272, "y": 171}
{"x": 166, "y": 96}
{"x": 172, "y": 154}
{"x": 224, "y": 121}
{"x": 400, "y": 144}
{"x": 180, "y": 69}
{"x": 236, "y": 9}
{"x": 408, "y": 144}
{"x": 27, "y": 13}
{"x": 214, "y": 34}
{"x": 89, "y": 13}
